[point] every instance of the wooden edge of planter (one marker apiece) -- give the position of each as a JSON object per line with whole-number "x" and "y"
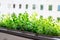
{"x": 27, "y": 35}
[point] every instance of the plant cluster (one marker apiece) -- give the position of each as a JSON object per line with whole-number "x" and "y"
{"x": 25, "y": 22}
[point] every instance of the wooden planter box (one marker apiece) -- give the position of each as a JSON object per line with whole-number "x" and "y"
{"x": 29, "y": 35}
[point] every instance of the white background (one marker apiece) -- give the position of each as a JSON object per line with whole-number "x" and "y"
{"x": 6, "y": 6}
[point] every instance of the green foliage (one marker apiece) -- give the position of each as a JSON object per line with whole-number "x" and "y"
{"x": 58, "y": 19}
{"x": 25, "y": 22}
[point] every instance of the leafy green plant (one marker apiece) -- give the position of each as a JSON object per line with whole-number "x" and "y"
{"x": 25, "y": 22}
{"x": 7, "y": 21}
